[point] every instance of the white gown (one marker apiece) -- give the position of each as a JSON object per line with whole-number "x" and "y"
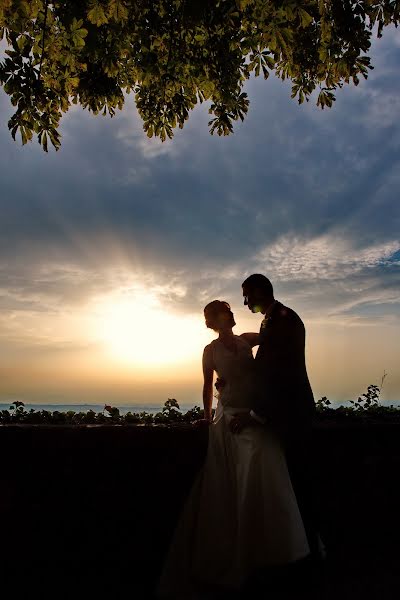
{"x": 241, "y": 513}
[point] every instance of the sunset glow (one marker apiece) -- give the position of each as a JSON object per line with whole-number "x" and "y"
{"x": 136, "y": 330}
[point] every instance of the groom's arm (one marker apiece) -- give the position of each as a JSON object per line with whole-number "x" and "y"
{"x": 258, "y": 418}
{"x": 251, "y": 338}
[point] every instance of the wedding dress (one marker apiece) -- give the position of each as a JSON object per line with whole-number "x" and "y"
{"x": 241, "y": 513}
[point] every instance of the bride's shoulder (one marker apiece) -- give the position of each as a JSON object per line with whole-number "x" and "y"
{"x": 208, "y": 356}
{"x": 209, "y": 348}
{"x": 244, "y": 345}
{"x": 211, "y": 344}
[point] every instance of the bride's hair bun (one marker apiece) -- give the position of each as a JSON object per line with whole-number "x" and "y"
{"x": 214, "y": 310}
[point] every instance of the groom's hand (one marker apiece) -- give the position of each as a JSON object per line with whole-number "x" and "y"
{"x": 240, "y": 421}
{"x": 220, "y": 384}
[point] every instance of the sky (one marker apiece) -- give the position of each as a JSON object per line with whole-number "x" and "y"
{"x": 111, "y": 247}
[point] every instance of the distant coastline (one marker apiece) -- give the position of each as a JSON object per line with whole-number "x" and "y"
{"x": 135, "y": 408}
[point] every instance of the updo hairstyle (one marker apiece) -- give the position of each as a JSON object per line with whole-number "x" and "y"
{"x": 218, "y": 312}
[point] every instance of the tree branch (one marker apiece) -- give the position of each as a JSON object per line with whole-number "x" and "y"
{"x": 43, "y": 37}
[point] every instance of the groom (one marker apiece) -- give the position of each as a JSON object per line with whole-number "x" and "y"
{"x": 284, "y": 399}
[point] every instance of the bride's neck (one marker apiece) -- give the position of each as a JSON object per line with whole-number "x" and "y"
{"x": 226, "y": 334}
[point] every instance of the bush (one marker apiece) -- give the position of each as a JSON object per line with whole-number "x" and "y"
{"x": 366, "y": 408}
{"x": 169, "y": 415}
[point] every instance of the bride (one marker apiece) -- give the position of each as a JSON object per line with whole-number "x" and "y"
{"x": 241, "y": 514}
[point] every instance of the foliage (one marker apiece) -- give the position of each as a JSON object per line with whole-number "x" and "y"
{"x": 173, "y": 54}
{"x": 169, "y": 414}
{"x": 366, "y": 408}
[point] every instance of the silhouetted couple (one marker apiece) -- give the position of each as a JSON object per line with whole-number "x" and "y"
{"x": 250, "y": 509}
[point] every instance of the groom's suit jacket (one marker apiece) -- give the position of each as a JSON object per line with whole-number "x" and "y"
{"x": 284, "y": 396}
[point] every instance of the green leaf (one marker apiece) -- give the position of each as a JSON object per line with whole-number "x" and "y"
{"x": 96, "y": 14}
{"x": 76, "y": 24}
{"x": 22, "y": 42}
{"x": 118, "y": 11}
{"x": 44, "y": 141}
{"x": 305, "y": 17}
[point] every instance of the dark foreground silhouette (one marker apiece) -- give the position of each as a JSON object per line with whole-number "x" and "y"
{"x": 88, "y": 512}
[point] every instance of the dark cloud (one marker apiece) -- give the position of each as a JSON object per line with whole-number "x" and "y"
{"x": 202, "y": 210}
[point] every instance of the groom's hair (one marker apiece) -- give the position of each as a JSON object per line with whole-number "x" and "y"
{"x": 259, "y": 282}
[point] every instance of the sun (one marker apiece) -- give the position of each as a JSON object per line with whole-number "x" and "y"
{"x": 135, "y": 329}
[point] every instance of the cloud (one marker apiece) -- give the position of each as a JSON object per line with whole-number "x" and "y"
{"x": 308, "y": 197}
{"x": 286, "y": 170}
{"x": 322, "y": 258}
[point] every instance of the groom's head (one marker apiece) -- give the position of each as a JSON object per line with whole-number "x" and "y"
{"x": 258, "y": 293}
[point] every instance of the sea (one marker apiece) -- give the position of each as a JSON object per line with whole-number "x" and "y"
{"x": 97, "y": 408}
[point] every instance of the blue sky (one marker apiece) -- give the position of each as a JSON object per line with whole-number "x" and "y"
{"x": 308, "y": 197}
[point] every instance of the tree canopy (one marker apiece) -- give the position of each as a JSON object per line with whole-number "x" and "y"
{"x": 172, "y": 54}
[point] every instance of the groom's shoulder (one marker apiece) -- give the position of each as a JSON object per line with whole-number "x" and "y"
{"x": 286, "y": 314}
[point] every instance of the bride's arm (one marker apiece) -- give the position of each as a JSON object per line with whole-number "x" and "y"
{"x": 208, "y": 374}
{"x": 251, "y": 338}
